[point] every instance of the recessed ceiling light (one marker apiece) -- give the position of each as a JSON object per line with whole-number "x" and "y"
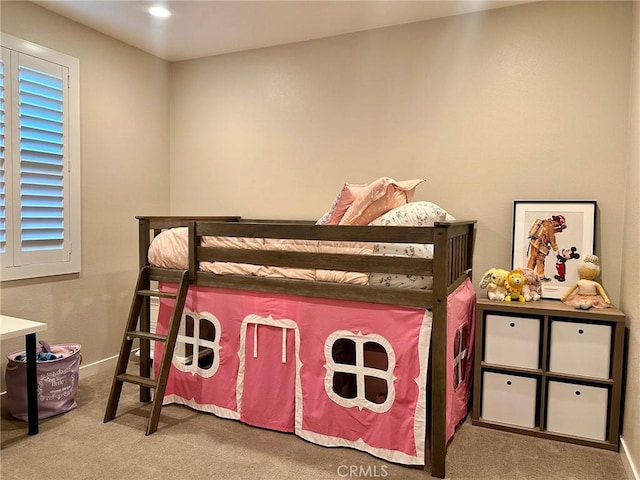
{"x": 159, "y": 12}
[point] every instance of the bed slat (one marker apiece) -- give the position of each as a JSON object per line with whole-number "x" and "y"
{"x": 321, "y": 261}
{"x": 317, "y": 232}
{"x": 360, "y": 293}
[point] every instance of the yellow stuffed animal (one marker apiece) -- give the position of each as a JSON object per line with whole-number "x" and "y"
{"x": 515, "y": 283}
{"x": 494, "y": 282}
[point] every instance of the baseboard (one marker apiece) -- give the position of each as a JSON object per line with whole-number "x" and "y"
{"x": 104, "y": 365}
{"x": 629, "y": 465}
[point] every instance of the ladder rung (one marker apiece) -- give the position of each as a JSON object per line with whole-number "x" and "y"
{"x": 138, "y": 380}
{"x": 150, "y": 336}
{"x": 157, "y": 293}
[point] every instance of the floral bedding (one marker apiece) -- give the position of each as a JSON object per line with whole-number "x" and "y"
{"x": 415, "y": 214}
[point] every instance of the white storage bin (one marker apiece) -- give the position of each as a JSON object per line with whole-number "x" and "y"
{"x": 580, "y": 349}
{"x": 509, "y": 399}
{"x": 512, "y": 340}
{"x": 577, "y": 410}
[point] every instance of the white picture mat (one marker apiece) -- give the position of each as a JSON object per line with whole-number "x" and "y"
{"x": 580, "y": 233}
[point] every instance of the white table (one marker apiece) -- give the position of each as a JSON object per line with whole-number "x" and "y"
{"x": 11, "y": 327}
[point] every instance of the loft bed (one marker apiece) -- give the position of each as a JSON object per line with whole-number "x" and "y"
{"x": 448, "y": 268}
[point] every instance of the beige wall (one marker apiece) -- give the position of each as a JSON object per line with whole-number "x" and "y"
{"x": 630, "y": 281}
{"x": 125, "y": 165}
{"x": 527, "y": 102}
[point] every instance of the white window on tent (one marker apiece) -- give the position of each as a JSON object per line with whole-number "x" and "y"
{"x": 39, "y": 161}
{"x": 198, "y": 344}
{"x": 359, "y": 370}
{"x": 461, "y": 355}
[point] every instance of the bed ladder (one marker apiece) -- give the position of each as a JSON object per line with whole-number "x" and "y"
{"x": 132, "y": 332}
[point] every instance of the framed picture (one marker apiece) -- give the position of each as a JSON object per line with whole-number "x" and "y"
{"x": 551, "y": 238}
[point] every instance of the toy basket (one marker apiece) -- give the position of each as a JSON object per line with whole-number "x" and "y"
{"x": 57, "y": 373}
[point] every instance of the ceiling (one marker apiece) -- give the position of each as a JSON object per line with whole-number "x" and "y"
{"x": 204, "y": 28}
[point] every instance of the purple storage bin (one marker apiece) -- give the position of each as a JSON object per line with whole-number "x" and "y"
{"x": 58, "y": 372}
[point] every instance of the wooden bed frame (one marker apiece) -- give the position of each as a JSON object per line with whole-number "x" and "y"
{"x": 453, "y": 244}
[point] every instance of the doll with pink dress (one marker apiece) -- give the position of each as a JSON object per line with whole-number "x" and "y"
{"x": 586, "y": 292}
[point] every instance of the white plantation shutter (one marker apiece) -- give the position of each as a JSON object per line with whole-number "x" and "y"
{"x": 6, "y": 241}
{"x": 40, "y": 217}
{"x": 43, "y": 199}
{"x": 3, "y": 215}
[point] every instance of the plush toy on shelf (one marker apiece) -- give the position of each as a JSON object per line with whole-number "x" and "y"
{"x": 586, "y": 292}
{"x": 532, "y": 289}
{"x": 494, "y": 281}
{"x": 515, "y": 284}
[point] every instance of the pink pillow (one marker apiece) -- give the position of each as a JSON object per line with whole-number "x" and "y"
{"x": 378, "y": 198}
{"x": 341, "y": 203}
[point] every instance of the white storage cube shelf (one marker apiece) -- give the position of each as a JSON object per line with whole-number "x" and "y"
{"x": 512, "y": 341}
{"x": 580, "y": 349}
{"x": 577, "y": 410}
{"x": 509, "y": 399}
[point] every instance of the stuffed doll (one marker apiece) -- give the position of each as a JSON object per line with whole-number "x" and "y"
{"x": 515, "y": 283}
{"x": 586, "y": 292}
{"x": 532, "y": 289}
{"x": 494, "y": 281}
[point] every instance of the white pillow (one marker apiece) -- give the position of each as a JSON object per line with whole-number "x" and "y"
{"x": 414, "y": 214}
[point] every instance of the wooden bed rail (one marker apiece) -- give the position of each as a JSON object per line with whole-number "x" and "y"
{"x": 340, "y": 233}
{"x": 456, "y": 238}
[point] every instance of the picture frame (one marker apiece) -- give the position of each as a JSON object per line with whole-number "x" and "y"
{"x": 573, "y": 224}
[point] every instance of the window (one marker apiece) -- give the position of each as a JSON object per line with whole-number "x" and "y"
{"x": 200, "y": 343}
{"x": 360, "y": 371}
{"x": 460, "y": 350}
{"x": 39, "y": 161}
